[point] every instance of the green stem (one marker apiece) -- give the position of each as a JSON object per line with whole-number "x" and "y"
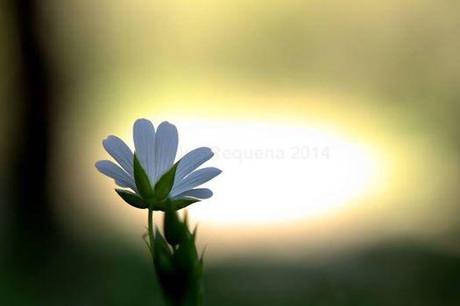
{"x": 150, "y": 230}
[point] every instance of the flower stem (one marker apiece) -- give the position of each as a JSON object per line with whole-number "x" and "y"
{"x": 150, "y": 230}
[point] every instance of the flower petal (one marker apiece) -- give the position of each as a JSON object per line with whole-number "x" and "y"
{"x": 199, "y": 193}
{"x": 191, "y": 161}
{"x": 195, "y": 179}
{"x": 113, "y": 171}
{"x": 118, "y": 149}
{"x": 144, "y": 142}
{"x": 166, "y": 141}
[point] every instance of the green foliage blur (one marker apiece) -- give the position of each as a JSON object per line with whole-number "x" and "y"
{"x": 398, "y": 273}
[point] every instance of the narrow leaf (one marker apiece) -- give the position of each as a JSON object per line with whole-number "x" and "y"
{"x": 162, "y": 256}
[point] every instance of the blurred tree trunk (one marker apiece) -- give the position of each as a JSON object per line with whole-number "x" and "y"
{"x": 32, "y": 228}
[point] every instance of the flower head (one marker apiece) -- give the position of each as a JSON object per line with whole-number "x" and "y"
{"x": 150, "y": 172}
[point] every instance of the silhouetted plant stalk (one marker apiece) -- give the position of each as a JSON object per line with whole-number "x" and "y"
{"x": 178, "y": 266}
{"x": 152, "y": 181}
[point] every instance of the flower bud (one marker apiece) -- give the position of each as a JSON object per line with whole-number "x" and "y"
{"x": 174, "y": 229}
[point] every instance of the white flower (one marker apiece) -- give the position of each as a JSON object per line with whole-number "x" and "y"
{"x": 156, "y": 152}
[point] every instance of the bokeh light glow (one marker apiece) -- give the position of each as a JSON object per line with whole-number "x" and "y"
{"x": 278, "y": 172}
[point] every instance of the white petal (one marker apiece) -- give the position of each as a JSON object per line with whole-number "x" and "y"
{"x": 144, "y": 142}
{"x": 195, "y": 179}
{"x": 199, "y": 193}
{"x": 166, "y": 141}
{"x": 112, "y": 170}
{"x": 191, "y": 161}
{"x": 120, "y": 152}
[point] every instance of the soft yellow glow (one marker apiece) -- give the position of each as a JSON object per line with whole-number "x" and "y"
{"x": 282, "y": 66}
{"x": 277, "y": 172}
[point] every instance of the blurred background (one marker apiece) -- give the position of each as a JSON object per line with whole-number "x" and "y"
{"x": 335, "y": 123}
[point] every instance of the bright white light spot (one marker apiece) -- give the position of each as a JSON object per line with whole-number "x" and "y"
{"x": 276, "y": 173}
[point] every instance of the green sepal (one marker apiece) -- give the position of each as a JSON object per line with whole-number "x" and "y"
{"x": 132, "y": 198}
{"x": 165, "y": 183}
{"x": 142, "y": 181}
{"x": 183, "y": 202}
